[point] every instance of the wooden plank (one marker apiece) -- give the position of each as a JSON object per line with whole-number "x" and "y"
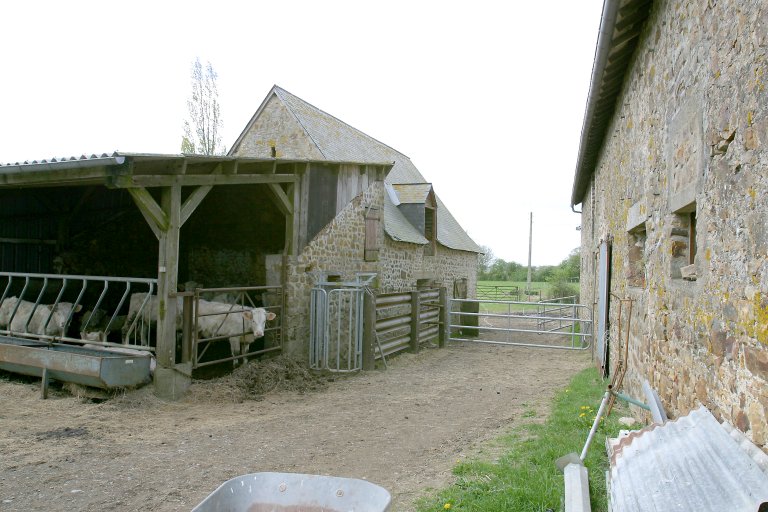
{"x": 415, "y": 320}
{"x": 193, "y": 201}
{"x": 167, "y": 278}
{"x": 151, "y": 211}
{"x": 304, "y": 208}
{"x": 281, "y": 199}
{"x": 92, "y": 175}
{"x": 193, "y": 180}
{"x": 369, "y": 331}
{"x": 295, "y": 220}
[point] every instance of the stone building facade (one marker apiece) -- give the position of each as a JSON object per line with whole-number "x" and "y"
{"x": 403, "y": 256}
{"x": 676, "y": 180}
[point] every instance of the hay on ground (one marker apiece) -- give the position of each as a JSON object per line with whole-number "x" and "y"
{"x": 256, "y": 378}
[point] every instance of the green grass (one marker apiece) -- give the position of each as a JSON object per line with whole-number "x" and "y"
{"x": 542, "y": 287}
{"x": 524, "y": 477}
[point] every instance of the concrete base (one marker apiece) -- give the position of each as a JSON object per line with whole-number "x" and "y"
{"x": 170, "y": 383}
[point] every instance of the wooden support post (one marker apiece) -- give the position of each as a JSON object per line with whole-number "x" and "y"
{"x": 415, "y": 320}
{"x": 186, "y": 330}
{"x": 44, "y": 385}
{"x": 169, "y": 383}
{"x": 369, "y": 331}
{"x": 442, "y": 335}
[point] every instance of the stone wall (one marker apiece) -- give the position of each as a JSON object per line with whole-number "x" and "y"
{"x": 680, "y": 188}
{"x": 277, "y": 128}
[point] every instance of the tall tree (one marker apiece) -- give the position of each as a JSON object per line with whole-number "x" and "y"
{"x": 485, "y": 259}
{"x": 203, "y": 126}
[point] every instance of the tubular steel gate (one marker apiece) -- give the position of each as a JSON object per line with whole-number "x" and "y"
{"x": 336, "y": 325}
{"x": 555, "y": 325}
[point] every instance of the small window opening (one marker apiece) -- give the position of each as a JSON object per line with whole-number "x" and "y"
{"x": 273, "y": 151}
{"x": 636, "y": 257}
{"x": 683, "y": 243}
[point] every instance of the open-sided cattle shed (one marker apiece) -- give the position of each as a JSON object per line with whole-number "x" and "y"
{"x": 255, "y": 199}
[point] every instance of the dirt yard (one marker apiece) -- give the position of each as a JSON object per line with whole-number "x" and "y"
{"x": 403, "y": 428}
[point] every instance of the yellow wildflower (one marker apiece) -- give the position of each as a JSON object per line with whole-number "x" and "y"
{"x": 447, "y": 505}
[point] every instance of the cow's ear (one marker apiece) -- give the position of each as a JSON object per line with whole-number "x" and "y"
{"x": 271, "y": 315}
{"x": 248, "y": 315}
{"x": 78, "y": 308}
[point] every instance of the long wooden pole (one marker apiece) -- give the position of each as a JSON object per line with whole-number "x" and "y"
{"x": 530, "y": 247}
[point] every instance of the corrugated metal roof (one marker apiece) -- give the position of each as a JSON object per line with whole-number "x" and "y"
{"x": 410, "y": 193}
{"x": 67, "y": 161}
{"x": 337, "y": 140}
{"x": 690, "y": 464}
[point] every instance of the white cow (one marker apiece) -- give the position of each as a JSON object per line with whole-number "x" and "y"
{"x": 37, "y": 324}
{"x": 148, "y": 316}
{"x": 242, "y": 327}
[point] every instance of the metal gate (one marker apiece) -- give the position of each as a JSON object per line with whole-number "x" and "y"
{"x": 221, "y": 330}
{"x": 336, "y": 325}
{"x": 552, "y": 324}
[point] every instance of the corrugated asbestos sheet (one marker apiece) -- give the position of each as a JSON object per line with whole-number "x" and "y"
{"x": 111, "y": 157}
{"x": 339, "y": 141}
{"x": 690, "y": 464}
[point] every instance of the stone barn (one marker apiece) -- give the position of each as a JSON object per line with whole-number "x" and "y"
{"x": 672, "y": 180}
{"x": 394, "y": 225}
{"x": 302, "y": 197}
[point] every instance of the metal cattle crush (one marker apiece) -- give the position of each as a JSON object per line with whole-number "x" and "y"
{"x": 336, "y": 324}
{"x": 556, "y": 323}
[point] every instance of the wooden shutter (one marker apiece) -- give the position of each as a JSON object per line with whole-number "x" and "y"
{"x": 372, "y": 235}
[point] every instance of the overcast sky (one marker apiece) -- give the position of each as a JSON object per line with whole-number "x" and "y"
{"x": 486, "y": 98}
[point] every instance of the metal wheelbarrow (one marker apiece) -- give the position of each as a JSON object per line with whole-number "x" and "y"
{"x": 291, "y": 492}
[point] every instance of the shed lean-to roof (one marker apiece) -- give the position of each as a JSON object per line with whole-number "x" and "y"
{"x": 339, "y": 141}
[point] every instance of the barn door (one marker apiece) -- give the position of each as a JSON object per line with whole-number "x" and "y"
{"x": 603, "y": 304}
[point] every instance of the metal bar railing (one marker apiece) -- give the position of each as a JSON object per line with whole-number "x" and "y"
{"x": 40, "y": 314}
{"x": 577, "y": 326}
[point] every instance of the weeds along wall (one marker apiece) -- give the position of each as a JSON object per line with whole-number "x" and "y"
{"x": 680, "y": 189}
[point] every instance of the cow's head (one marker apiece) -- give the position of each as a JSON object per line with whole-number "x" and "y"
{"x": 258, "y": 317}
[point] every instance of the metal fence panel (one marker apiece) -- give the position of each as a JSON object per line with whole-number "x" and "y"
{"x": 527, "y": 324}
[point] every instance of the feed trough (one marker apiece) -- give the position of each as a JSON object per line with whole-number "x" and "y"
{"x": 71, "y": 363}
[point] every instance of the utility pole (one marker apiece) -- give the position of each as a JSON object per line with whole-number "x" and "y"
{"x": 530, "y": 246}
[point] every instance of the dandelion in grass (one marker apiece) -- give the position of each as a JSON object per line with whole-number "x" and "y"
{"x": 447, "y": 506}
{"x": 582, "y": 415}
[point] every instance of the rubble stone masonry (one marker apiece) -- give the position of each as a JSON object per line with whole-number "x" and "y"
{"x": 339, "y": 247}
{"x": 681, "y": 190}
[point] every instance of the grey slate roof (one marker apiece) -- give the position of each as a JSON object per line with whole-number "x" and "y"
{"x": 339, "y": 141}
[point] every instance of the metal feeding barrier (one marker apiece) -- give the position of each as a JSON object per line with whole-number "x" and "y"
{"x": 336, "y": 324}
{"x": 512, "y": 323}
{"x": 46, "y": 318}
{"x": 43, "y": 306}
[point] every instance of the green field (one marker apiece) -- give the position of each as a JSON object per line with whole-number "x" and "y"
{"x": 544, "y": 289}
